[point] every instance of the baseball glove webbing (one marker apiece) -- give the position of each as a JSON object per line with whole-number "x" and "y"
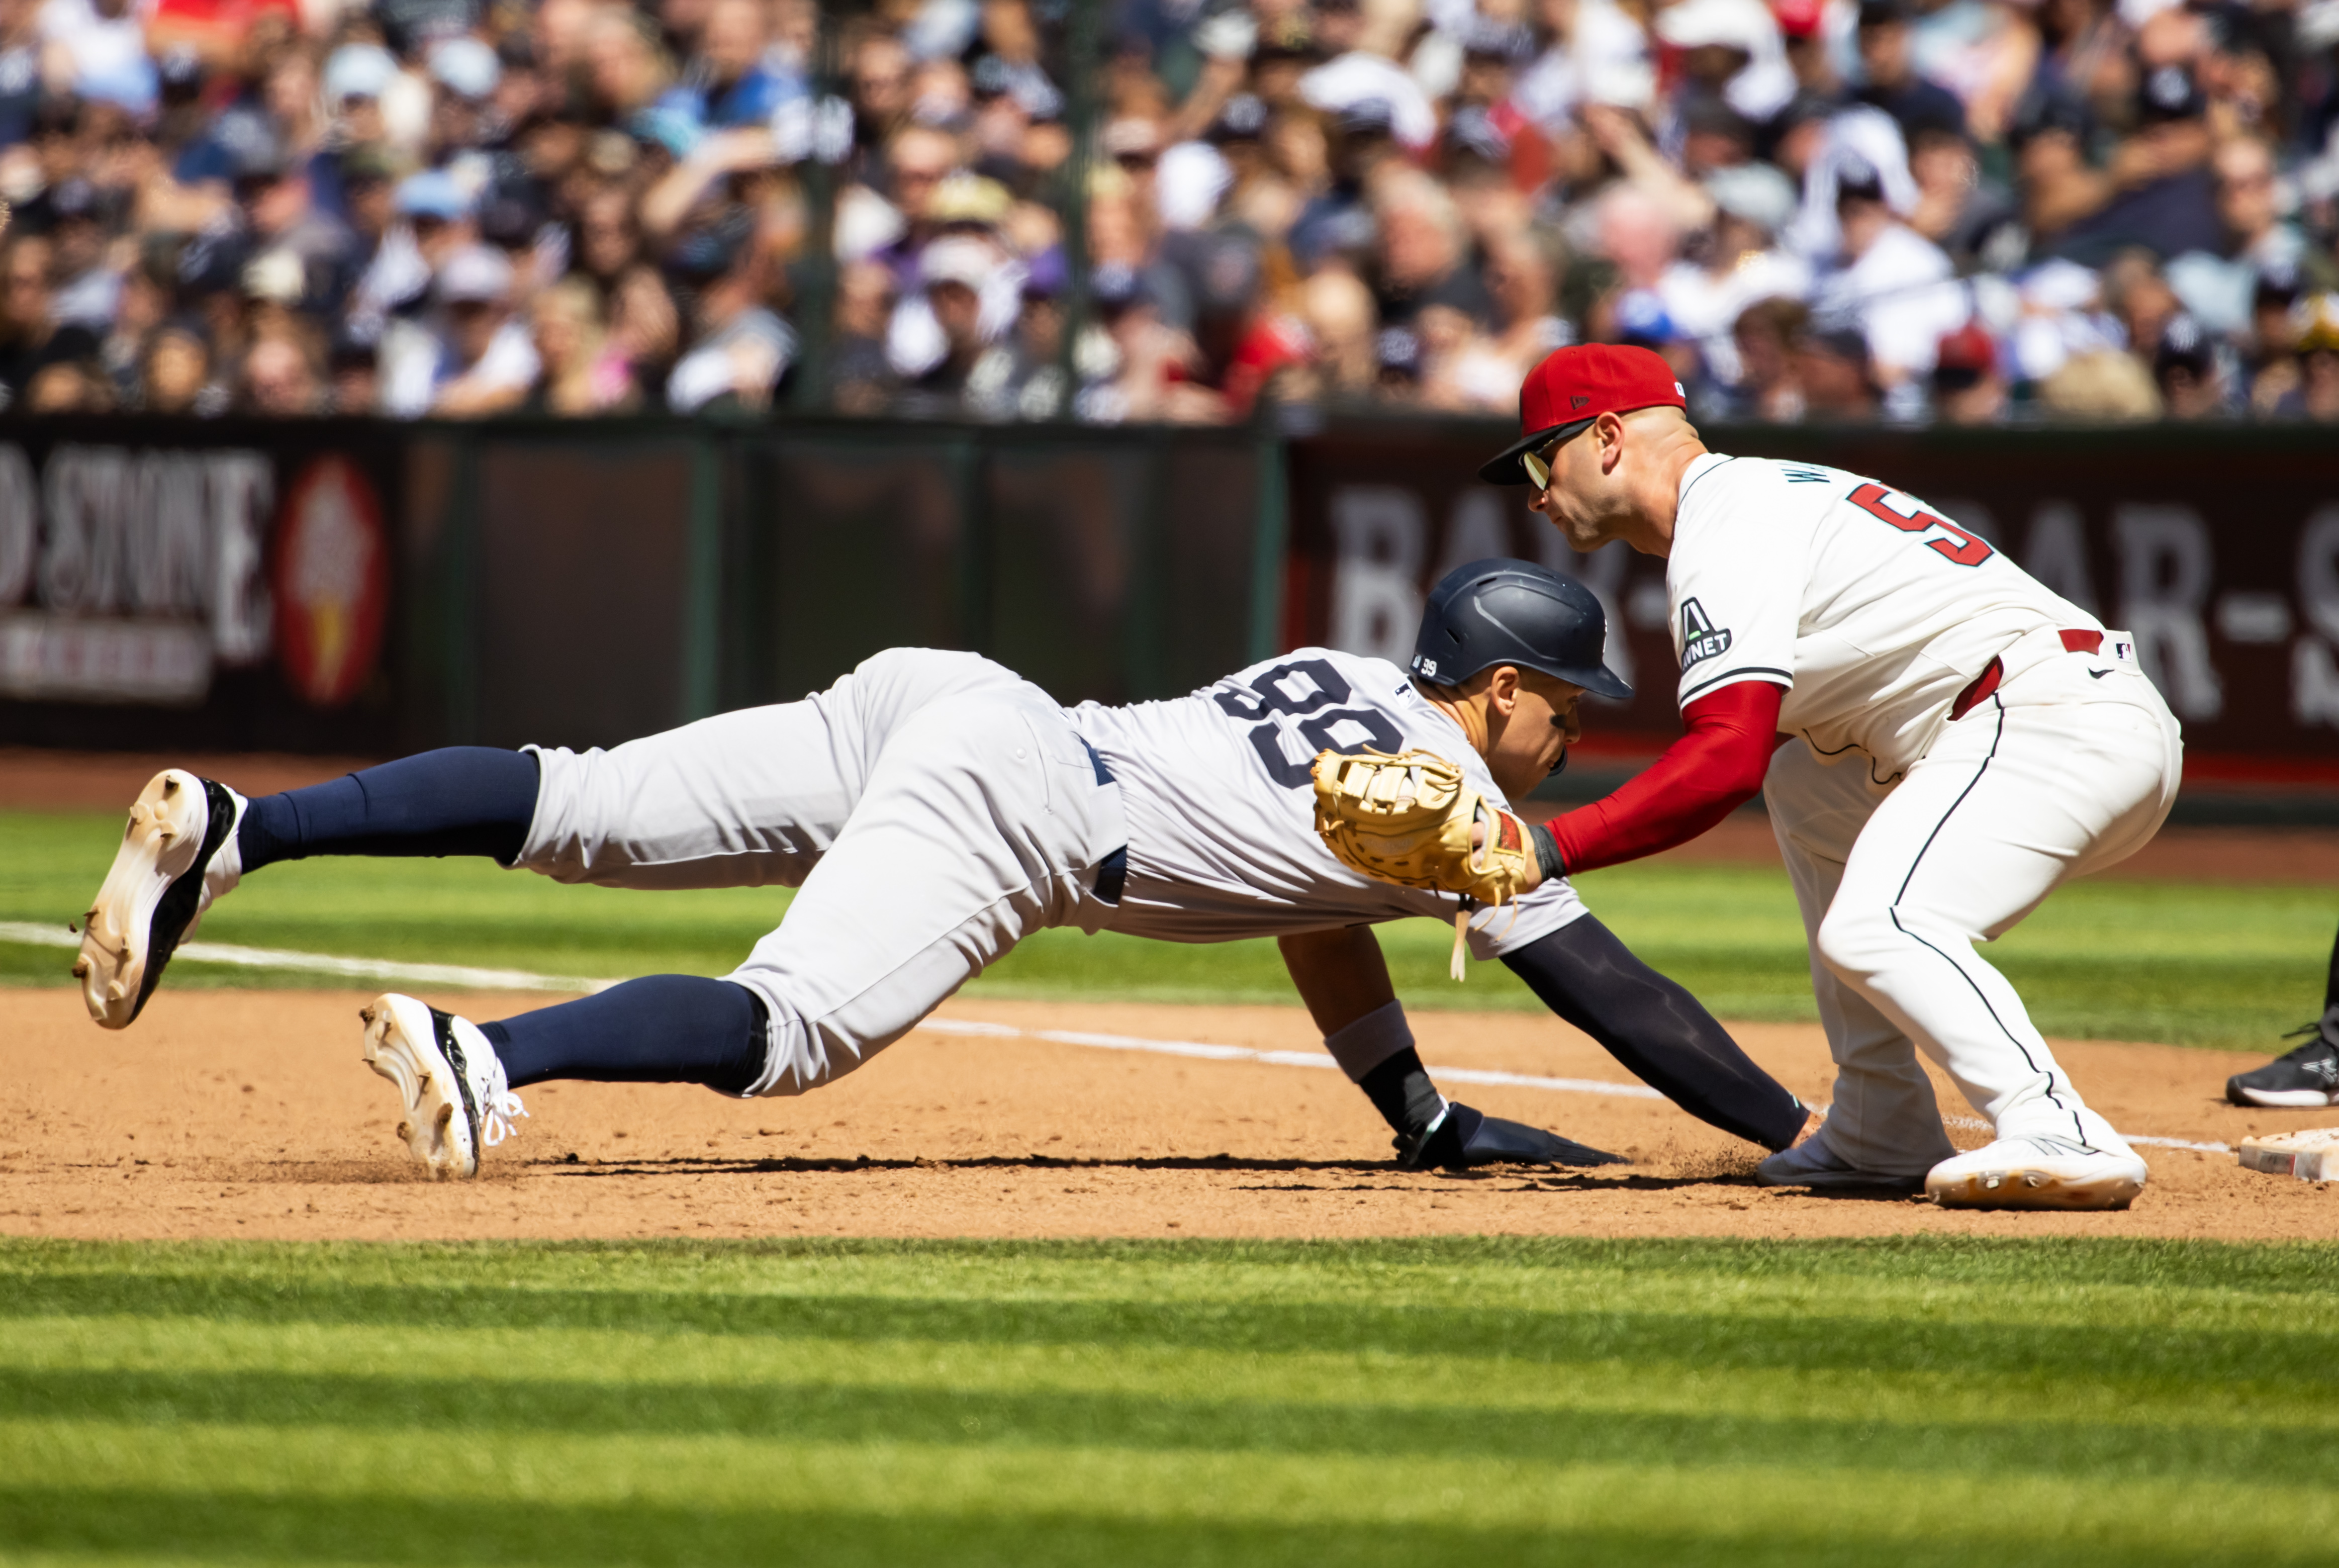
{"x": 1406, "y": 817}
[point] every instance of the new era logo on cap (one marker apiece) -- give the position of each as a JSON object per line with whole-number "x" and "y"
{"x": 1577, "y": 384}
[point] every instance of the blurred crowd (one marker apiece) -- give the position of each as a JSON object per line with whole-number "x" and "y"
{"x": 1969, "y": 211}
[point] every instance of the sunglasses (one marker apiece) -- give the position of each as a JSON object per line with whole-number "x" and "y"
{"x": 1538, "y": 463}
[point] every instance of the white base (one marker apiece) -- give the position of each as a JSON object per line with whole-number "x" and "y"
{"x": 2310, "y": 1155}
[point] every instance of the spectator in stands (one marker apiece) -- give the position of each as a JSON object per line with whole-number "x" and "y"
{"x": 2058, "y": 186}
{"x": 31, "y": 339}
{"x": 1891, "y": 80}
{"x": 2185, "y": 369}
{"x": 356, "y": 385}
{"x": 1832, "y": 373}
{"x": 730, "y": 82}
{"x": 89, "y": 287}
{"x": 861, "y": 379}
{"x": 1400, "y": 192}
{"x": 97, "y": 51}
{"x": 2140, "y": 299}
{"x": 20, "y": 68}
{"x": 2257, "y": 234}
{"x": 2164, "y": 197}
{"x": 739, "y": 347}
{"x": 1893, "y": 283}
{"x": 476, "y": 360}
{"x": 1023, "y": 377}
{"x": 2317, "y": 395}
{"x": 2269, "y": 359}
{"x": 1972, "y": 217}
{"x": 576, "y": 375}
{"x": 1421, "y": 260}
{"x": 1765, "y": 340}
{"x": 69, "y": 387}
{"x": 2100, "y": 385}
{"x": 1739, "y": 263}
{"x": 645, "y": 328}
{"x": 1967, "y": 388}
{"x": 1523, "y": 275}
{"x": 279, "y": 381}
{"x": 177, "y": 378}
{"x": 1343, "y": 326}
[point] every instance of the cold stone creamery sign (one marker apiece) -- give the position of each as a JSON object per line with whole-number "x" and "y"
{"x": 332, "y": 579}
{"x": 132, "y": 576}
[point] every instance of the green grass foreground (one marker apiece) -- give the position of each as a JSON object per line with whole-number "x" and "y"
{"x": 2195, "y": 963}
{"x": 1472, "y": 1402}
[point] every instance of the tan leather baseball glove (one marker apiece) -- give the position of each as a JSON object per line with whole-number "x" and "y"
{"x": 1407, "y": 818}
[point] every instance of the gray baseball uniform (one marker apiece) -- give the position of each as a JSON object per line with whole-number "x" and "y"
{"x": 934, "y": 809}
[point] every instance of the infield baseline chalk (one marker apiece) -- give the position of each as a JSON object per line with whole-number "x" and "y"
{"x": 465, "y": 977}
{"x": 452, "y": 974}
{"x": 1271, "y": 1058}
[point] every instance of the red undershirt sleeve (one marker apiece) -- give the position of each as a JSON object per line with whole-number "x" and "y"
{"x": 1713, "y": 769}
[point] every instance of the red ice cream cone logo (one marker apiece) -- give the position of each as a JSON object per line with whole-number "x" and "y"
{"x": 332, "y": 583}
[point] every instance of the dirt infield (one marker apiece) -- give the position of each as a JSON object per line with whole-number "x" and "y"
{"x": 248, "y": 1114}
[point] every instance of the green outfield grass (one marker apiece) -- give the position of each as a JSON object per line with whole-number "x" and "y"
{"x": 2205, "y": 963}
{"x": 1471, "y": 1402}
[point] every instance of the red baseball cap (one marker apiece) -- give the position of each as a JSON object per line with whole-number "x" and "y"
{"x": 1799, "y": 18}
{"x": 1574, "y": 387}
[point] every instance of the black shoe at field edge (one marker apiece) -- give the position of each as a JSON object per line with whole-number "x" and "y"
{"x": 2306, "y": 1077}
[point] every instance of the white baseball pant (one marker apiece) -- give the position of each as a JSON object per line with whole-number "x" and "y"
{"x": 935, "y": 808}
{"x": 2058, "y": 773}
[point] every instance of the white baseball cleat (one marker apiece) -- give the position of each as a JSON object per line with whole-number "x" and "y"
{"x": 458, "y": 1099}
{"x": 178, "y": 857}
{"x": 1813, "y": 1164}
{"x": 2038, "y": 1171}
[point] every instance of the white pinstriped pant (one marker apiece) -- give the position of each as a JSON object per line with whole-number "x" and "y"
{"x": 2057, "y": 774}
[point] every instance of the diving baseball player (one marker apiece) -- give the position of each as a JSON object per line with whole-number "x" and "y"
{"x": 1939, "y": 739}
{"x": 933, "y": 809}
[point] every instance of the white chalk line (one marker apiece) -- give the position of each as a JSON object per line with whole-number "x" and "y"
{"x": 466, "y": 978}
{"x": 448, "y": 974}
{"x": 1273, "y": 1057}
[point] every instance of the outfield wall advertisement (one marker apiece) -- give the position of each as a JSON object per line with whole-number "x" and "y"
{"x": 372, "y": 588}
{"x": 2222, "y": 556}
{"x": 210, "y": 585}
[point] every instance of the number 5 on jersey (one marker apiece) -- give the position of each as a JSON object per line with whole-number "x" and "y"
{"x": 1970, "y": 550}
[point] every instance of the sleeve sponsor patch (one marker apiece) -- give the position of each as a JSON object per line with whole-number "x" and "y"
{"x": 1700, "y": 638}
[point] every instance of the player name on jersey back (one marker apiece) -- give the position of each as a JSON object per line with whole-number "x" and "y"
{"x": 1870, "y": 607}
{"x": 1221, "y": 803}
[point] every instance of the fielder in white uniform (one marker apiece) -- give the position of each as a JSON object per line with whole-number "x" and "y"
{"x": 933, "y": 809}
{"x": 1946, "y": 741}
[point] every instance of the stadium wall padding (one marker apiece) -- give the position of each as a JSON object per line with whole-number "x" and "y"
{"x": 357, "y": 586}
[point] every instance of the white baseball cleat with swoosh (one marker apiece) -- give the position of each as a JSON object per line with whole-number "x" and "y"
{"x": 178, "y": 857}
{"x": 458, "y": 1101}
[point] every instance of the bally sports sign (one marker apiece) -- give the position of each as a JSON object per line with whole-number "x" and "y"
{"x": 138, "y": 575}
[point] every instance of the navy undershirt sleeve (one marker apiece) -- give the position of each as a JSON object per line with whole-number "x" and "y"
{"x": 1658, "y": 1030}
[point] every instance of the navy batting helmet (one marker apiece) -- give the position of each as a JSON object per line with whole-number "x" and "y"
{"x": 1505, "y": 612}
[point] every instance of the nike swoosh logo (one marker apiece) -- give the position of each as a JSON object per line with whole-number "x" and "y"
{"x": 2099, "y": 673}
